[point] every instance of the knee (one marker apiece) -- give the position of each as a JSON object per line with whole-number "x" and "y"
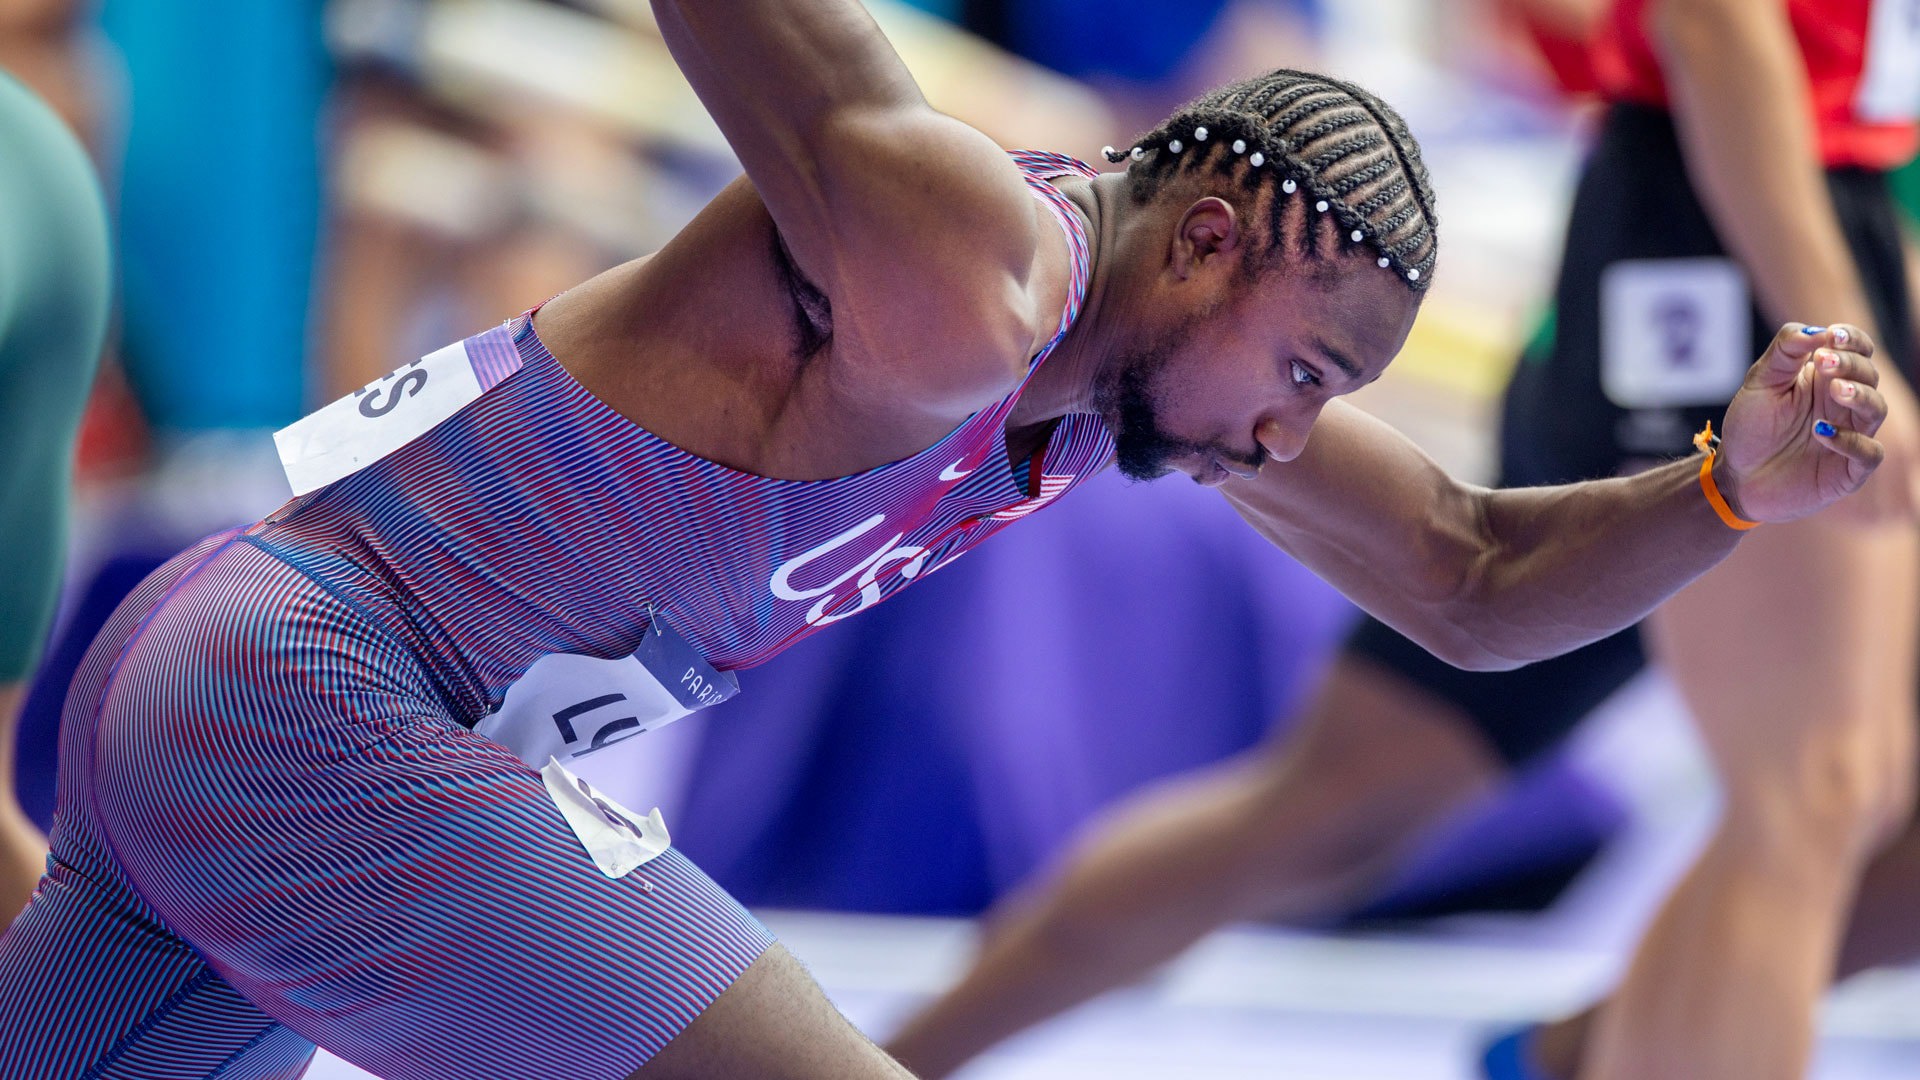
{"x": 1848, "y": 787}
{"x": 1886, "y": 801}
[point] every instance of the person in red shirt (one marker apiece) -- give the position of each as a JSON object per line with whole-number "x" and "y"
{"x": 1739, "y": 174}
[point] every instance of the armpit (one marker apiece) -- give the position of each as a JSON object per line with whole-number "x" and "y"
{"x": 812, "y": 311}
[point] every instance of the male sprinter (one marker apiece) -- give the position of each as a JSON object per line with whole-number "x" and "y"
{"x": 291, "y": 815}
{"x": 1735, "y": 129}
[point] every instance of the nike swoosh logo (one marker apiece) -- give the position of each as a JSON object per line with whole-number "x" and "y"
{"x": 955, "y": 472}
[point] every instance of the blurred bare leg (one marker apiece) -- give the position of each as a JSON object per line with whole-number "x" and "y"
{"x": 23, "y": 849}
{"x": 1881, "y": 931}
{"x": 1797, "y": 658}
{"x": 1296, "y": 830}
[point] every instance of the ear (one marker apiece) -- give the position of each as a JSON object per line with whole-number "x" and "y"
{"x": 1208, "y": 228}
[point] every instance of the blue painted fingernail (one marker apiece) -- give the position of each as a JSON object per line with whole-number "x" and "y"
{"x": 1823, "y": 429}
{"x": 1813, "y": 329}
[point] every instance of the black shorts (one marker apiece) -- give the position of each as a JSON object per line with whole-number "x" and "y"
{"x": 1654, "y": 326}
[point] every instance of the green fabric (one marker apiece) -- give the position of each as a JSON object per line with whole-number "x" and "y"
{"x": 1906, "y": 190}
{"x": 55, "y": 285}
{"x": 1540, "y": 345}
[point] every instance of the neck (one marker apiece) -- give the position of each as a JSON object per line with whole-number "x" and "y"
{"x": 1065, "y": 382}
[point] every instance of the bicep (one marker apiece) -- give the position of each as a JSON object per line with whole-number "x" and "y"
{"x": 1372, "y": 514}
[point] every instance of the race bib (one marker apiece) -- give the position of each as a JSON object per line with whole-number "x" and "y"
{"x": 340, "y": 439}
{"x": 1673, "y": 332}
{"x": 1890, "y": 84}
{"x": 571, "y": 707}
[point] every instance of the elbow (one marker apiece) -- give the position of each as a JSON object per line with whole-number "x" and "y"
{"x": 1471, "y": 645}
{"x": 1487, "y": 628}
{"x": 1480, "y": 657}
{"x": 1481, "y": 632}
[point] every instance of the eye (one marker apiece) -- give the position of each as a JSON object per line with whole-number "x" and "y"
{"x": 1303, "y": 375}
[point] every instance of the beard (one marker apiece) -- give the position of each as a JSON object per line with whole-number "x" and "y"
{"x": 1129, "y": 401}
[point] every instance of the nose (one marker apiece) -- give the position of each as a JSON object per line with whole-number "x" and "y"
{"x": 1282, "y": 441}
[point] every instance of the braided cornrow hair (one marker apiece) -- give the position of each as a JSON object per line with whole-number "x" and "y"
{"x": 1344, "y": 169}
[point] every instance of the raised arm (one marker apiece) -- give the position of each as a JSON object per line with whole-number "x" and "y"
{"x": 1496, "y": 579}
{"x": 916, "y": 227}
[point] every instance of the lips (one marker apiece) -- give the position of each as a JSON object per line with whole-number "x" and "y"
{"x": 1244, "y": 472}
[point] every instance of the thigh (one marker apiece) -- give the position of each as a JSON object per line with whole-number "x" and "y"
{"x": 1655, "y": 324}
{"x": 92, "y": 986}
{"x": 368, "y": 873}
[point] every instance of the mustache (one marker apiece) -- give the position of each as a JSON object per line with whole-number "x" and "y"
{"x": 1251, "y": 461}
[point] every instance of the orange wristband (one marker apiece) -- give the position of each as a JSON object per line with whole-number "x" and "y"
{"x": 1707, "y": 442}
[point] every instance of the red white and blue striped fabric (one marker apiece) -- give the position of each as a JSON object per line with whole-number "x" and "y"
{"x": 276, "y": 829}
{"x": 271, "y": 836}
{"x": 537, "y": 520}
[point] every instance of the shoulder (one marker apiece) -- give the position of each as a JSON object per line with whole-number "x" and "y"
{"x": 968, "y": 283}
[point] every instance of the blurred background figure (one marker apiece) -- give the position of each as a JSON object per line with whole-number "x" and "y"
{"x": 55, "y": 285}
{"x": 213, "y": 170}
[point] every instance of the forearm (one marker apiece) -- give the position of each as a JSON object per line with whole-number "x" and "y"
{"x": 1497, "y": 579}
{"x": 775, "y": 66}
{"x": 1564, "y": 566}
{"x": 1482, "y": 579}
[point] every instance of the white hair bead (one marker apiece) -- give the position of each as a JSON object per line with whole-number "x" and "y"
{"x": 1107, "y": 152}
{"x": 1358, "y": 236}
{"x": 1258, "y": 159}
{"x": 1321, "y": 206}
{"x": 1384, "y": 261}
{"x": 1288, "y": 185}
{"x": 1139, "y": 152}
{"x": 1175, "y": 146}
{"x": 1199, "y": 134}
{"x": 1413, "y": 274}
{"x": 1239, "y": 146}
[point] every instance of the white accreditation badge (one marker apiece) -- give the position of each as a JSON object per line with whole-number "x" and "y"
{"x": 340, "y": 439}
